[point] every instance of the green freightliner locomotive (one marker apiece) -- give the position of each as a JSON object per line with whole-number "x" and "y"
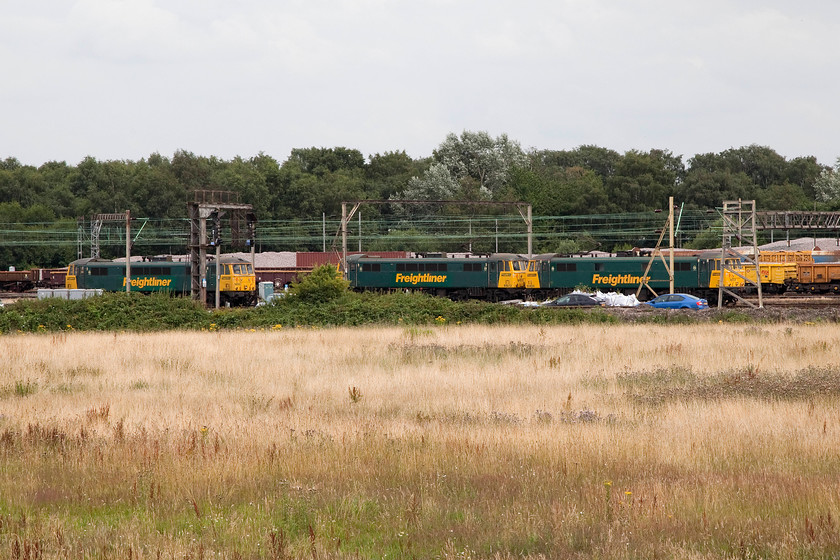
{"x": 237, "y": 285}
{"x": 505, "y": 276}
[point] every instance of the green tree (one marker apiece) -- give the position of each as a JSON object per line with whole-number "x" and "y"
{"x": 827, "y": 185}
{"x": 316, "y": 180}
{"x": 437, "y": 183}
{"x": 474, "y": 166}
{"x": 566, "y": 191}
{"x": 761, "y": 164}
{"x": 194, "y": 172}
{"x": 786, "y": 196}
{"x": 247, "y": 179}
{"x": 389, "y": 173}
{"x": 156, "y": 191}
{"x": 58, "y": 195}
{"x": 644, "y": 181}
{"x": 486, "y": 160}
{"x": 319, "y": 161}
{"x": 602, "y": 161}
{"x": 804, "y": 172}
{"x": 711, "y": 179}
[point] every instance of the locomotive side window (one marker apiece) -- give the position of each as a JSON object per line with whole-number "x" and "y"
{"x": 99, "y": 272}
{"x": 566, "y": 267}
{"x": 373, "y": 267}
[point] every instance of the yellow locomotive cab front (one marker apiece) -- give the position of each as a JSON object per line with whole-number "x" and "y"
{"x": 237, "y": 277}
{"x": 512, "y": 274}
{"x": 532, "y": 275}
{"x": 70, "y": 281}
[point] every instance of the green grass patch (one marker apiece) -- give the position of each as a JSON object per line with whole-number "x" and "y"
{"x": 20, "y": 388}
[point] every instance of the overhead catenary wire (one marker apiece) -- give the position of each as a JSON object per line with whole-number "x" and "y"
{"x": 279, "y": 235}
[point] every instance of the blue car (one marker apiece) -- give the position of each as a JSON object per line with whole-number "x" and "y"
{"x": 678, "y": 301}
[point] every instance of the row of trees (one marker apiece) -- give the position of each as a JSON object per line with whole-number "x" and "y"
{"x": 470, "y": 166}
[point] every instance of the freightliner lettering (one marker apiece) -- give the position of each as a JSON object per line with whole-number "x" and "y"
{"x": 419, "y": 278}
{"x": 616, "y": 279}
{"x": 149, "y": 282}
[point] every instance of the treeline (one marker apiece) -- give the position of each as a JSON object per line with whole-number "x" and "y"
{"x": 472, "y": 166}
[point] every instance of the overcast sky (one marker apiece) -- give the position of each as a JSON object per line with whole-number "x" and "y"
{"x": 122, "y": 79}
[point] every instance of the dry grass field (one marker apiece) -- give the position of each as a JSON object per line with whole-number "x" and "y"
{"x": 696, "y": 441}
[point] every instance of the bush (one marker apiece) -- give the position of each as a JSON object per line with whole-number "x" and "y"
{"x": 322, "y": 285}
{"x": 110, "y": 311}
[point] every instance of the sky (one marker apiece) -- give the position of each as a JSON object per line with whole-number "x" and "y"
{"x": 123, "y": 79}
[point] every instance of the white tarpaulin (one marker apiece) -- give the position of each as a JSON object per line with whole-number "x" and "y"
{"x": 613, "y": 299}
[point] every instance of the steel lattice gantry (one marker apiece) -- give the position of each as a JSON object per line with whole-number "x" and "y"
{"x": 739, "y": 223}
{"x": 797, "y": 220}
{"x": 205, "y": 203}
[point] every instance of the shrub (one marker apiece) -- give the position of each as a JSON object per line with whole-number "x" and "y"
{"x": 324, "y": 284}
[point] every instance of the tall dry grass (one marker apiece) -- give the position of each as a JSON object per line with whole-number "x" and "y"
{"x": 701, "y": 441}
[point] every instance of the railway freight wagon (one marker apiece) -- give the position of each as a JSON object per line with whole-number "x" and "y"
{"x": 816, "y": 278}
{"x": 25, "y": 280}
{"x": 496, "y": 277}
{"x": 237, "y": 285}
{"x": 552, "y": 275}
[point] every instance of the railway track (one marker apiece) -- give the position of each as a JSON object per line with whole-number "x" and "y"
{"x": 11, "y": 297}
